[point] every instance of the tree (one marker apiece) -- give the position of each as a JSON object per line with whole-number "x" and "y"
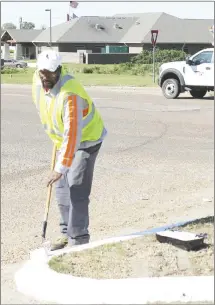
{"x": 43, "y": 27}
{"x": 27, "y": 25}
{"x": 8, "y": 26}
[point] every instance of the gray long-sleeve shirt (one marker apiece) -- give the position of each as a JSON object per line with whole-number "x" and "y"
{"x": 74, "y": 108}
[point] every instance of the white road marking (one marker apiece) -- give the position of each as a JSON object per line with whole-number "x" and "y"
{"x": 17, "y": 94}
{"x": 14, "y": 94}
{"x": 101, "y": 98}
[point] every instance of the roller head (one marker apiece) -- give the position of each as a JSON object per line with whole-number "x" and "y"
{"x": 38, "y": 255}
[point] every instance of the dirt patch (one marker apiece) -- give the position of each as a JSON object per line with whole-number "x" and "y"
{"x": 141, "y": 257}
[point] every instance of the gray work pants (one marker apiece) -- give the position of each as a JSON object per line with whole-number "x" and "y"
{"x": 72, "y": 194}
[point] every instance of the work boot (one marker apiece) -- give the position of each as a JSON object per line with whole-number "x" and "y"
{"x": 60, "y": 243}
{"x": 79, "y": 240}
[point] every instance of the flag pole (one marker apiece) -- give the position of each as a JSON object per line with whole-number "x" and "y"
{"x": 70, "y": 9}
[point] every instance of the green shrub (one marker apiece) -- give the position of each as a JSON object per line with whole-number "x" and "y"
{"x": 96, "y": 69}
{"x": 139, "y": 65}
{"x": 124, "y": 67}
{"x": 138, "y": 70}
{"x": 88, "y": 70}
{"x": 9, "y": 70}
{"x": 161, "y": 56}
{"x": 116, "y": 69}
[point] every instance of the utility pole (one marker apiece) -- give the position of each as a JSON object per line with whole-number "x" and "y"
{"x": 50, "y": 24}
{"x": 20, "y": 22}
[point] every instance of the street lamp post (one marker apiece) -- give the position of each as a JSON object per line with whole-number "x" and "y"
{"x": 50, "y": 20}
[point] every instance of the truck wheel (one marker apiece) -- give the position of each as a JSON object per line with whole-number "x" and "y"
{"x": 171, "y": 88}
{"x": 198, "y": 93}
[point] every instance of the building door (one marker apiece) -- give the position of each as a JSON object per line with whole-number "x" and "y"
{"x": 27, "y": 52}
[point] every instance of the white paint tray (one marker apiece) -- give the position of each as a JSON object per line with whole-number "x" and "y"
{"x": 185, "y": 240}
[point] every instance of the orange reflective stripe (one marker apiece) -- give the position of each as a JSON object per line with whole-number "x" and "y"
{"x": 85, "y": 111}
{"x": 72, "y": 135}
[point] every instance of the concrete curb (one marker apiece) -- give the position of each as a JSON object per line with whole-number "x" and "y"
{"x": 37, "y": 280}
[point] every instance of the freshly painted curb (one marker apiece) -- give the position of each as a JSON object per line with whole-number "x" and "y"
{"x": 37, "y": 280}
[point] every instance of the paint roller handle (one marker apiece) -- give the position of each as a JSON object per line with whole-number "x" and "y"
{"x": 48, "y": 200}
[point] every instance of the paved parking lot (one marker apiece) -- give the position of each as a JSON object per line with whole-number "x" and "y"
{"x": 155, "y": 167}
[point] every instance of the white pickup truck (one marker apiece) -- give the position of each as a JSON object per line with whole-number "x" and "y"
{"x": 195, "y": 75}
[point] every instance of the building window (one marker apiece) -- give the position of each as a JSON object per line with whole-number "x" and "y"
{"x": 80, "y": 47}
{"x": 27, "y": 52}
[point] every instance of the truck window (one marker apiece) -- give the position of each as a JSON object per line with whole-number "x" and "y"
{"x": 204, "y": 57}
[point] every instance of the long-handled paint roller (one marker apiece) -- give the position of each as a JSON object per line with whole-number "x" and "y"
{"x": 47, "y": 205}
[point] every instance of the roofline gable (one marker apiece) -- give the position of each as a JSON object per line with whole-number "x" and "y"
{"x": 7, "y": 31}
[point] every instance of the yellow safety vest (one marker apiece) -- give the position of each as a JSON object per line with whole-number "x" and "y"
{"x": 51, "y": 117}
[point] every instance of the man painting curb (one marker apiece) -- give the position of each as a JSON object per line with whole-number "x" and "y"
{"x": 73, "y": 123}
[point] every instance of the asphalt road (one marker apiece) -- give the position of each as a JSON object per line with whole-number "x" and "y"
{"x": 155, "y": 167}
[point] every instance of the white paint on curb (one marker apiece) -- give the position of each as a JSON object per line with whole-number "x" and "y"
{"x": 37, "y": 280}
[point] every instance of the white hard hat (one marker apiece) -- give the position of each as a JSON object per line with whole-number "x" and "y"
{"x": 49, "y": 60}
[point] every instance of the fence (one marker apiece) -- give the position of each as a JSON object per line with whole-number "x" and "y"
{"x": 111, "y": 58}
{"x": 70, "y": 57}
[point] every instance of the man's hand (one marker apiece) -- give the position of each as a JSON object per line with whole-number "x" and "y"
{"x": 53, "y": 178}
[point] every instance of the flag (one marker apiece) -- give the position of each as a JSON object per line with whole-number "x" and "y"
{"x": 73, "y": 4}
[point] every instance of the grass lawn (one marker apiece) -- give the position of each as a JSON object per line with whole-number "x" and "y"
{"x": 30, "y": 60}
{"x": 141, "y": 257}
{"x": 25, "y": 77}
{"x": 114, "y": 80}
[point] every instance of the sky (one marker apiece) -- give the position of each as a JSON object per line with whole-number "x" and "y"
{"x": 35, "y": 11}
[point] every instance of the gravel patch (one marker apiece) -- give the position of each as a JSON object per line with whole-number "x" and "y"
{"x": 141, "y": 257}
